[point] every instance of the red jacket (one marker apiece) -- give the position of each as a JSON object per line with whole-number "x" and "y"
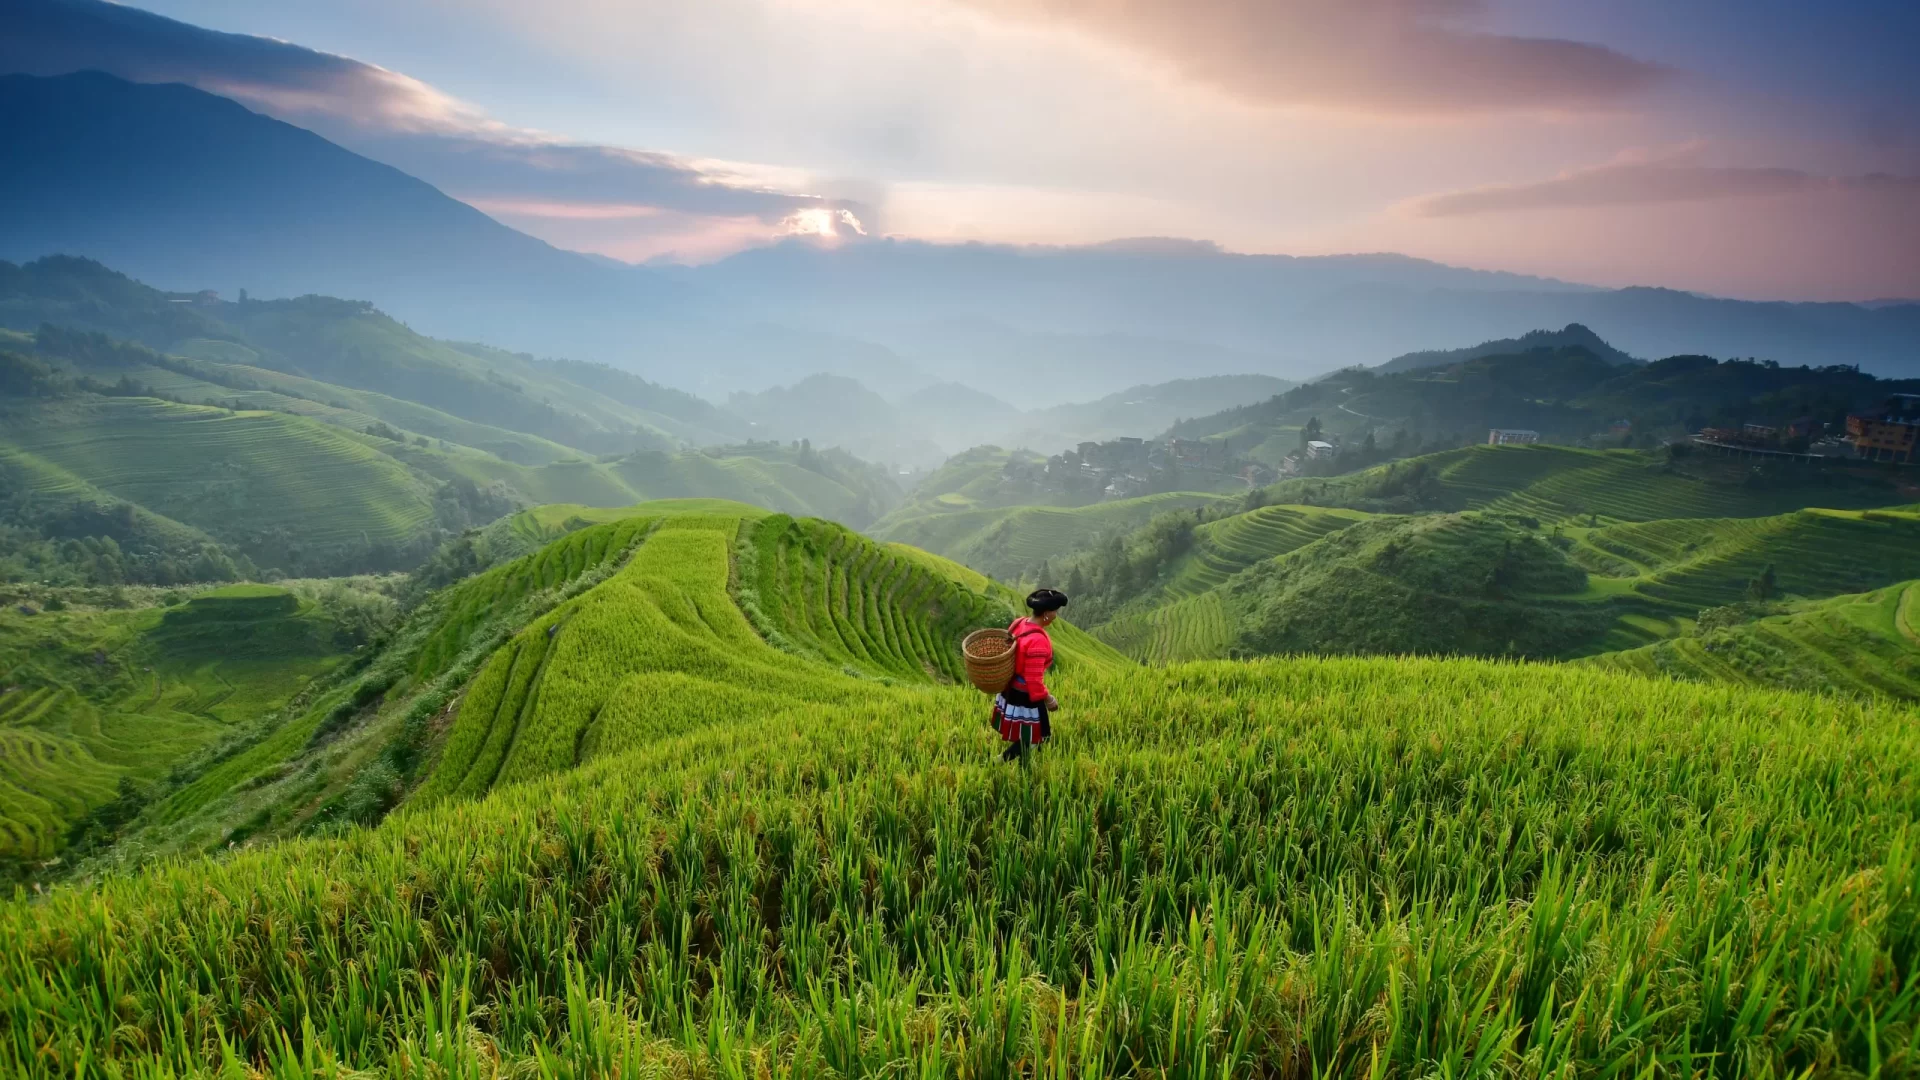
{"x": 1032, "y": 652}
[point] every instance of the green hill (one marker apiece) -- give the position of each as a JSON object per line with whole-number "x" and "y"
{"x": 350, "y": 344}
{"x": 1563, "y": 483}
{"x": 823, "y": 611}
{"x": 744, "y": 838}
{"x": 1862, "y": 644}
{"x": 1667, "y": 571}
{"x": 1569, "y": 386}
{"x": 286, "y": 491}
{"x": 96, "y": 702}
{"x": 1011, "y": 542}
{"x": 1460, "y": 584}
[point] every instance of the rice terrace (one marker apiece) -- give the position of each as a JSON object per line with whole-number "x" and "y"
{"x": 800, "y": 539}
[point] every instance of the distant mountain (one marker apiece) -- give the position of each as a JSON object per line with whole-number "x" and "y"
{"x": 192, "y": 191}
{"x": 1294, "y": 317}
{"x": 351, "y": 344}
{"x": 1145, "y": 410}
{"x": 835, "y": 411}
{"x": 1037, "y": 369}
{"x": 1574, "y": 335}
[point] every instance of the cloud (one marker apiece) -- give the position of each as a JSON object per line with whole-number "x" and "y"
{"x": 1391, "y": 56}
{"x": 1635, "y": 183}
{"x": 403, "y": 122}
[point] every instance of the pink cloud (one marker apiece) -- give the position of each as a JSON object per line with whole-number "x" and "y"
{"x": 1631, "y": 183}
{"x": 1393, "y": 56}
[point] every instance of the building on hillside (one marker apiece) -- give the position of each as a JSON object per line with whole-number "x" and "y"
{"x": 1321, "y": 451}
{"x": 1501, "y": 436}
{"x": 1620, "y": 427}
{"x": 1759, "y": 433}
{"x": 1889, "y": 433}
{"x": 1805, "y": 427}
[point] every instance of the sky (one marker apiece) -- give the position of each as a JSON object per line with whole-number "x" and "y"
{"x": 1760, "y": 149}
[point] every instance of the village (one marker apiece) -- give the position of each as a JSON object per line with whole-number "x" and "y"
{"x": 1127, "y": 467}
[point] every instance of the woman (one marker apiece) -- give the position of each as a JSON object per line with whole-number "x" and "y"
{"x": 1020, "y": 712}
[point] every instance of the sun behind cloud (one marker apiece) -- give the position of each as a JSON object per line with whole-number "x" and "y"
{"x": 825, "y": 222}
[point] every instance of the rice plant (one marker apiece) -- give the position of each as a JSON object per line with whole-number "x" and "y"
{"x": 1315, "y": 867}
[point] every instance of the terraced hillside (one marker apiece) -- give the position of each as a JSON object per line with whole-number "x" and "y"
{"x": 1197, "y": 627}
{"x": 662, "y": 645}
{"x": 92, "y": 698}
{"x": 234, "y": 476}
{"x": 1009, "y": 542}
{"x": 765, "y": 865}
{"x": 1705, "y": 563}
{"x": 1225, "y": 547}
{"x": 1554, "y": 483}
{"x": 1862, "y": 644}
{"x": 1451, "y": 584}
{"x": 430, "y": 707}
{"x": 243, "y": 386}
{"x": 349, "y": 344}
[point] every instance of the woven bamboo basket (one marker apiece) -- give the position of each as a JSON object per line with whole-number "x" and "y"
{"x": 989, "y": 656}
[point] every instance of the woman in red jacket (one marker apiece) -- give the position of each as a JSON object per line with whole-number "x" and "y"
{"x": 1020, "y": 712}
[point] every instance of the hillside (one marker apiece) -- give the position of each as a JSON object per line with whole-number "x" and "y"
{"x": 1572, "y": 394}
{"x": 365, "y": 358}
{"x": 833, "y": 410}
{"x": 1556, "y": 482}
{"x": 1212, "y": 311}
{"x": 1861, "y": 645}
{"x": 1573, "y": 335}
{"x": 287, "y": 492}
{"x": 747, "y": 833}
{"x": 1675, "y": 569}
{"x": 1185, "y": 587}
{"x": 1013, "y": 542}
{"x": 708, "y": 609}
{"x": 96, "y": 702}
{"x": 193, "y": 191}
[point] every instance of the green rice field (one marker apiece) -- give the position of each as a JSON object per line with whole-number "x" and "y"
{"x": 89, "y": 697}
{"x": 1861, "y": 644}
{"x": 722, "y": 812}
{"x": 224, "y": 472}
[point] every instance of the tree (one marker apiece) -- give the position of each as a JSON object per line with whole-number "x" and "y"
{"x": 1762, "y": 588}
{"x": 1310, "y": 433}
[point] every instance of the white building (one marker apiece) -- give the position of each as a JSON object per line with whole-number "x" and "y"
{"x": 1502, "y": 436}
{"x": 1318, "y": 450}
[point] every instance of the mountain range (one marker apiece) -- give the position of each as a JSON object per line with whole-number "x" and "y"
{"x": 192, "y": 191}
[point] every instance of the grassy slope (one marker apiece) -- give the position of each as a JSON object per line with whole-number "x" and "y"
{"x": 1867, "y": 643}
{"x": 312, "y": 770}
{"x": 1557, "y": 482}
{"x": 224, "y": 473}
{"x": 763, "y": 476}
{"x": 263, "y": 388}
{"x": 1009, "y": 541}
{"x": 1335, "y": 867}
{"x": 662, "y": 645}
{"x": 1704, "y": 563}
{"x": 1652, "y": 576}
{"x": 334, "y": 342}
{"x": 93, "y": 696}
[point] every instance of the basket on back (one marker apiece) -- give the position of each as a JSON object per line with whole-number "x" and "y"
{"x": 989, "y": 656}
